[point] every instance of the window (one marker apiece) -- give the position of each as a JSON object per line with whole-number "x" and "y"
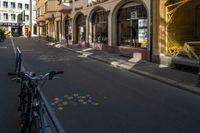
{"x": 13, "y": 17}
{"x": 132, "y": 25}
{"x": 27, "y": 6}
{"x": 19, "y": 5}
{"x": 12, "y": 4}
{"x": 100, "y": 26}
{"x": 5, "y": 4}
{"x": 38, "y": 12}
{"x": 45, "y": 8}
{"x": 5, "y": 16}
{"x": 198, "y": 21}
{"x": 81, "y": 28}
{"x": 26, "y": 17}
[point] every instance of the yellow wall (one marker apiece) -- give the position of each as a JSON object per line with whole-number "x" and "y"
{"x": 181, "y": 29}
{"x": 159, "y": 27}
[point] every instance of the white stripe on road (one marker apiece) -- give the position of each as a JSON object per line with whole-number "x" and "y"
{"x": 15, "y": 51}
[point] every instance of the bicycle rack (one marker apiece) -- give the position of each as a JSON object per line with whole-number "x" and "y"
{"x": 47, "y": 108}
{"x": 18, "y": 61}
{"x": 51, "y": 114}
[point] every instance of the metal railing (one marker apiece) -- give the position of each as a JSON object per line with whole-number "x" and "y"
{"x": 18, "y": 61}
{"x": 51, "y": 122}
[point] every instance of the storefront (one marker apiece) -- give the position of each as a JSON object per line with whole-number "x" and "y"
{"x": 100, "y": 26}
{"x": 12, "y": 28}
{"x": 81, "y": 28}
{"x": 176, "y": 29}
{"x": 132, "y": 25}
{"x": 68, "y": 29}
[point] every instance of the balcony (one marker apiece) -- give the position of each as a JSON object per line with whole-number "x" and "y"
{"x": 48, "y": 15}
{"x": 64, "y": 5}
{"x": 41, "y": 18}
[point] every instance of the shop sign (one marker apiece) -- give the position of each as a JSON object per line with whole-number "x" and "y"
{"x": 143, "y": 32}
{"x": 5, "y": 28}
{"x": 134, "y": 15}
{"x": 10, "y": 24}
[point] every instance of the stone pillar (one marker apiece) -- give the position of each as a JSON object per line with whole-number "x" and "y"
{"x": 110, "y": 28}
{"x": 88, "y": 30}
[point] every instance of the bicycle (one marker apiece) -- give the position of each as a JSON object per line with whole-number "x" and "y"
{"x": 33, "y": 103}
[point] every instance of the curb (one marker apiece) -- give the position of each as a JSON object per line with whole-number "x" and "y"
{"x": 194, "y": 90}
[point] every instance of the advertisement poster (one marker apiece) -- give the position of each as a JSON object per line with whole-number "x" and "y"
{"x": 143, "y": 32}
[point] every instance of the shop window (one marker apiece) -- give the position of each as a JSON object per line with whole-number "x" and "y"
{"x": 68, "y": 29}
{"x": 81, "y": 27}
{"x": 100, "y": 27}
{"x": 132, "y": 25}
{"x": 198, "y": 22}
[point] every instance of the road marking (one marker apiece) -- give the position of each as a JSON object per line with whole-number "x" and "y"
{"x": 3, "y": 47}
{"x": 58, "y": 104}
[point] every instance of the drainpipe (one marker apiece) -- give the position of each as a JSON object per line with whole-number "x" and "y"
{"x": 151, "y": 31}
{"x": 61, "y": 27}
{"x": 30, "y": 19}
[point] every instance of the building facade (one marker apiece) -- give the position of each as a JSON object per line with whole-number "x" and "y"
{"x": 15, "y": 16}
{"x": 121, "y": 26}
{"x": 33, "y": 23}
{"x": 176, "y": 30}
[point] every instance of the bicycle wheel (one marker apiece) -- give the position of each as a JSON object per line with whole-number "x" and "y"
{"x": 25, "y": 108}
{"x": 35, "y": 123}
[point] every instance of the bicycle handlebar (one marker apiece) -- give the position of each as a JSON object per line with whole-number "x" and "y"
{"x": 26, "y": 75}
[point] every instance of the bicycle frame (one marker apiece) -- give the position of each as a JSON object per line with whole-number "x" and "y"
{"x": 35, "y": 95}
{"x": 41, "y": 107}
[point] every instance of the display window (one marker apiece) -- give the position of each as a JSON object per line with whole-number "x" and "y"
{"x": 132, "y": 25}
{"x": 81, "y": 28}
{"x": 100, "y": 26}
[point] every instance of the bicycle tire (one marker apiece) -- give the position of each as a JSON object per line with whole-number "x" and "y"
{"x": 25, "y": 108}
{"x": 35, "y": 124}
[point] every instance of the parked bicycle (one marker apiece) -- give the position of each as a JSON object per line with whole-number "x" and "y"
{"x": 33, "y": 103}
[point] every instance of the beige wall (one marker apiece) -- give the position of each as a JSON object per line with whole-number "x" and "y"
{"x": 112, "y": 7}
{"x": 84, "y": 6}
{"x": 159, "y": 27}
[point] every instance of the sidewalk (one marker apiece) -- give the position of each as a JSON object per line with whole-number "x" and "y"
{"x": 183, "y": 80}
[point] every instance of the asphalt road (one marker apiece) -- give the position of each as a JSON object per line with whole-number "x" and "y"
{"x": 93, "y": 97}
{"x": 9, "y": 118}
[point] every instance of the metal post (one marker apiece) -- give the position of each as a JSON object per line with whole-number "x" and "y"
{"x": 30, "y": 19}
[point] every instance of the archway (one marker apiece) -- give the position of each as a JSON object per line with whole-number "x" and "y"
{"x": 68, "y": 29}
{"x": 80, "y": 28}
{"x": 132, "y": 25}
{"x": 35, "y": 29}
{"x": 99, "y": 25}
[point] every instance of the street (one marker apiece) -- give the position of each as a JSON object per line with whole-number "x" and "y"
{"x": 93, "y": 97}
